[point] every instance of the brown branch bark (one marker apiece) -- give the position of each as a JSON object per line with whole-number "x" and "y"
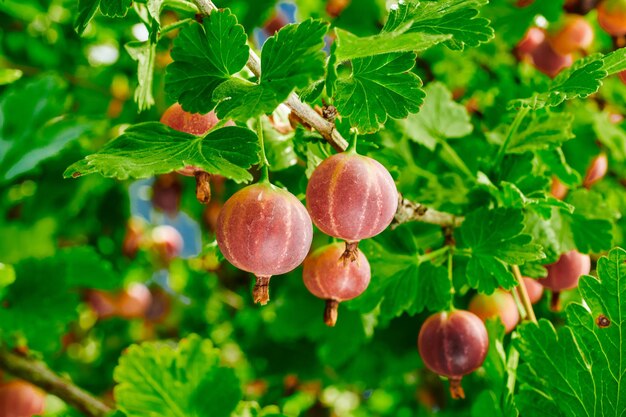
{"x": 37, "y": 373}
{"x": 407, "y": 210}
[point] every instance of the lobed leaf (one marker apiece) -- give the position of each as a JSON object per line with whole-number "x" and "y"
{"x": 151, "y": 148}
{"x": 205, "y": 55}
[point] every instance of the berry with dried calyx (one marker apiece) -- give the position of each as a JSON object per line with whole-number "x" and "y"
{"x": 328, "y": 278}
{"x": 499, "y": 304}
{"x": 565, "y": 273}
{"x": 264, "y": 230}
{"x": 453, "y": 344}
{"x": 351, "y": 197}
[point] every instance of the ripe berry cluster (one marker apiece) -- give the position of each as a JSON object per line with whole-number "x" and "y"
{"x": 267, "y": 231}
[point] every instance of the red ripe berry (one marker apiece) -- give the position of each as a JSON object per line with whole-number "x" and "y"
{"x": 574, "y": 35}
{"x": 453, "y": 344}
{"x": 534, "y": 289}
{"x": 558, "y": 189}
{"x": 328, "y": 278}
{"x": 612, "y": 17}
{"x": 166, "y": 242}
{"x": 134, "y": 301}
{"x": 264, "y": 230}
{"x": 166, "y": 193}
{"x": 192, "y": 123}
{"x": 500, "y": 303}
{"x": 133, "y": 238}
{"x": 622, "y": 77}
{"x": 533, "y": 38}
{"x": 102, "y": 303}
{"x": 351, "y": 197}
{"x": 597, "y": 169}
{"x": 565, "y": 273}
{"x": 548, "y": 61}
{"x": 20, "y": 399}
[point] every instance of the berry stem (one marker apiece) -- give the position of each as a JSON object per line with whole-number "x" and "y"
{"x": 456, "y": 390}
{"x": 261, "y": 291}
{"x": 351, "y": 253}
{"x": 265, "y": 176}
{"x": 38, "y": 373}
{"x": 523, "y": 295}
{"x": 331, "y": 312}
{"x": 555, "y": 301}
{"x": 203, "y": 186}
{"x": 433, "y": 254}
{"x": 352, "y": 147}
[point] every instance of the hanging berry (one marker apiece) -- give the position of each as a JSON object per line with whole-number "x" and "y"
{"x": 264, "y": 230}
{"x": 453, "y": 344}
{"x": 565, "y": 273}
{"x": 351, "y": 197}
{"x": 328, "y": 278}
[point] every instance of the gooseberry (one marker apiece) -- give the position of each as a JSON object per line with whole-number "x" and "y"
{"x": 21, "y": 399}
{"x": 328, "y": 278}
{"x": 351, "y": 197}
{"x": 453, "y": 344}
{"x": 499, "y": 304}
{"x": 565, "y": 273}
{"x": 264, "y": 230}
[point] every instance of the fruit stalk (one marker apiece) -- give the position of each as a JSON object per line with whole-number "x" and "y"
{"x": 37, "y": 373}
{"x": 523, "y": 294}
{"x": 203, "y": 186}
{"x": 261, "y": 291}
{"x": 331, "y": 312}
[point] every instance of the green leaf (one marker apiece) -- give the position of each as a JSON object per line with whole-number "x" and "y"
{"x": 458, "y": 18}
{"x": 495, "y": 239}
{"x": 615, "y": 61}
{"x": 379, "y": 87}
{"x": 580, "y": 368}
{"x": 580, "y": 80}
{"x": 115, "y": 8}
{"x": 86, "y": 11}
{"x": 243, "y": 100}
{"x": 350, "y": 46}
{"x": 439, "y": 118}
{"x": 31, "y": 130}
{"x": 402, "y": 283}
{"x": 292, "y": 58}
{"x": 205, "y": 55}
{"x": 85, "y": 268}
{"x": 144, "y": 53}
{"x": 151, "y": 148}
{"x": 38, "y": 305}
{"x": 541, "y": 130}
{"x": 185, "y": 380}
{"x": 9, "y": 75}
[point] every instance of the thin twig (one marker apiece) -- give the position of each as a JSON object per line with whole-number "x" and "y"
{"x": 40, "y": 375}
{"x": 523, "y": 294}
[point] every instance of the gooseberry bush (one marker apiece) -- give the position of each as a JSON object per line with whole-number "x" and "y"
{"x": 434, "y": 190}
